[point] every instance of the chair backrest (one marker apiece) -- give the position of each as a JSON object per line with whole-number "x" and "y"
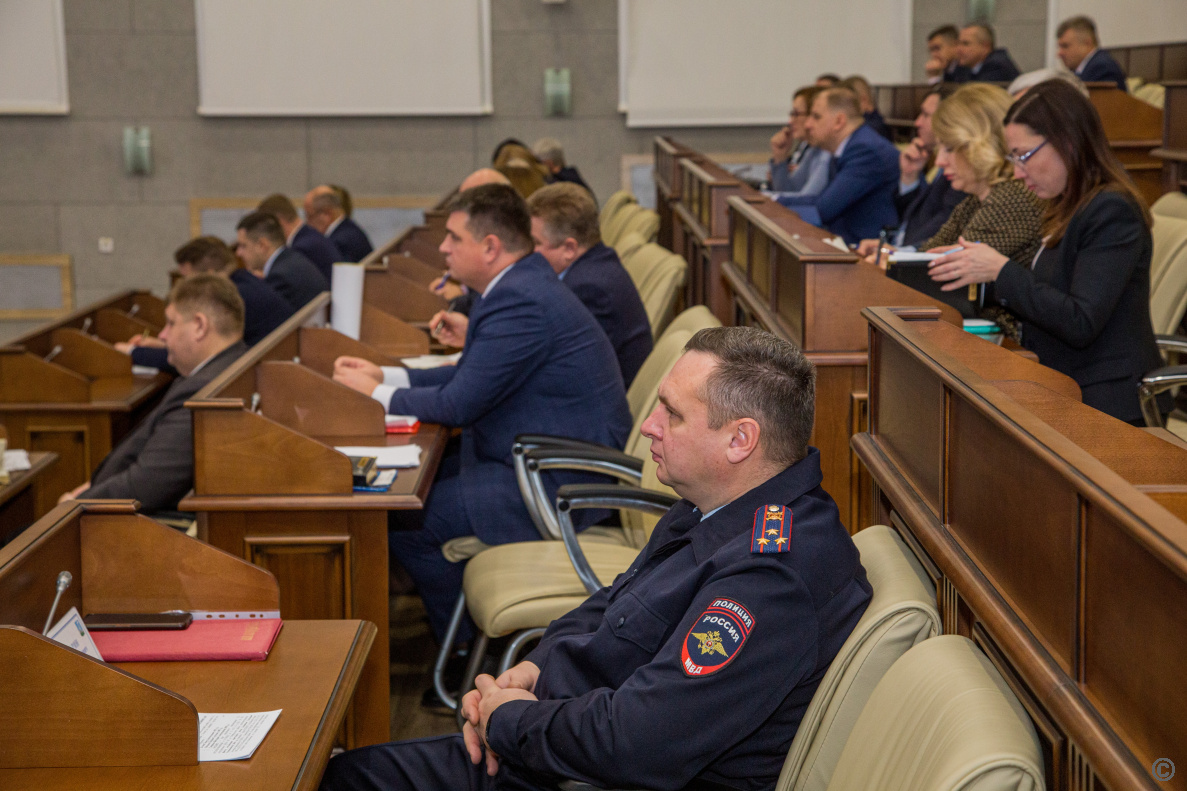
{"x": 613, "y": 204}
{"x": 941, "y": 718}
{"x": 641, "y": 395}
{"x": 660, "y": 290}
{"x": 615, "y": 225}
{"x": 1168, "y": 274}
{"x": 693, "y": 319}
{"x": 643, "y": 261}
{"x": 1172, "y": 204}
{"x": 901, "y": 614}
{"x": 628, "y": 243}
{"x": 644, "y": 222}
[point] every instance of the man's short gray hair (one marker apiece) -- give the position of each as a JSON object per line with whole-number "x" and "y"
{"x": 549, "y": 149}
{"x": 763, "y": 378}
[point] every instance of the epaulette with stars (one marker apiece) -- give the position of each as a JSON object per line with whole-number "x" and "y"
{"x": 772, "y": 530}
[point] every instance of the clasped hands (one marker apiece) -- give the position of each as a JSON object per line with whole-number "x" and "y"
{"x": 490, "y": 693}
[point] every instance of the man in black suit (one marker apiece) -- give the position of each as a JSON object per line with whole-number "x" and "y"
{"x": 262, "y": 248}
{"x": 977, "y": 51}
{"x": 942, "y": 64}
{"x": 565, "y": 230}
{"x": 155, "y": 463}
{"x": 1079, "y": 49}
{"x": 263, "y": 309}
{"x": 325, "y": 214}
{"x": 300, "y": 236}
{"x": 865, "y": 100}
{"x": 552, "y": 155}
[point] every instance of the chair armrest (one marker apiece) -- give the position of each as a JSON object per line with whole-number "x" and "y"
{"x": 1155, "y": 382}
{"x": 554, "y": 441}
{"x": 594, "y": 495}
{"x": 601, "y": 460}
{"x": 1172, "y": 343}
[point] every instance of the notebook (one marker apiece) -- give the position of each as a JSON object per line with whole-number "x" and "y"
{"x": 915, "y": 274}
{"x": 203, "y": 640}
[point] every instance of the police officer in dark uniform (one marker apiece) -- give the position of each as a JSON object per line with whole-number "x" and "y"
{"x": 694, "y": 668}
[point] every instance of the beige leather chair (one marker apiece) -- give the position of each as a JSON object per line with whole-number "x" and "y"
{"x": 693, "y": 319}
{"x": 644, "y": 222}
{"x": 941, "y": 719}
{"x": 614, "y": 204}
{"x": 1170, "y": 239}
{"x": 660, "y": 291}
{"x": 1168, "y": 291}
{"x": 901, "y": 614}
{"x": 628, "y": 244}
{"x": 615, "y": 225}
{"x": 643, "y": 261}
{"x": 1172, "y": 204}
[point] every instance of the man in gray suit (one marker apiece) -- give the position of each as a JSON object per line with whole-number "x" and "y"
{"x": 155, "y": 463}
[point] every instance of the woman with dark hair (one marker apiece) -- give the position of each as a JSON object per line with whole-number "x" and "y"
{"x": 1084, "y": 301}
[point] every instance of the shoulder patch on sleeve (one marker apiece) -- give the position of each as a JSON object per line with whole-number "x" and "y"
{"x": 716, "y": 637}
{"x": 772, "y": 530}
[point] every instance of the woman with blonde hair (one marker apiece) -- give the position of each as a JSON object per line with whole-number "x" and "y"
{"x": 971, "y": 148}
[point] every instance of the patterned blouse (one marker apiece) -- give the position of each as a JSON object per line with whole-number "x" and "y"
{"x": 1009, "y": 220}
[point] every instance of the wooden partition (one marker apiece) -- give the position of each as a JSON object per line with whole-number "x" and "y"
{"x": 700, "y": 228}
{"x": 1173, "y": 151}
{"x": 399, "y": 273}
{"x": 668, "y": 183}
{"x": 68, "y": 721}
{"x": 899, "y": 105}
{"x": 1153, "y": 62}
{"x": 1056, "y": 538}
{"x": 64, "y": 388}
{"x": 783, "y": 277}
{"x": 22, "y": 498}
{"x": 269, "y": 487}
{"x": 1134, "y": 130}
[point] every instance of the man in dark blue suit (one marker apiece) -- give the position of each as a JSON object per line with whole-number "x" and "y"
{"x": 325, "y": 213}
{"x": 1079, "y": 49}
{"x": 263, "y": 309}
{"x": 535, "y": 361}
{"x": 865, "y": 100}
{"x": 262, "y": 248}
{"x": 859, "y": 199}
{"x": 565, "y": 230}
{"x": 300, "y": 237}
{"x": 978, "y": 52}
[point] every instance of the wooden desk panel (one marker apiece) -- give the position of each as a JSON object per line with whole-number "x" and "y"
{"x": 21, "y": 499}
{"x": 668, "y": 184}
{"x": 1045, "y": 550}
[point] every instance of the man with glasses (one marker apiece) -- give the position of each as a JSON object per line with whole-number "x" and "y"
{"x": 797, "y": 166}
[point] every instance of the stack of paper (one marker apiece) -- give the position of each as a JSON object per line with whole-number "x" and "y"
{"x": 15, "y": 460}
{"x": 232, "y": 737}
{"x": 397, "y": 456}
{"x": 431, "y": 360}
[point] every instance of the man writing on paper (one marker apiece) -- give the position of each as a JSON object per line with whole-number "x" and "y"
{"x": 695, "y": 667}
{"x": 155, "y": 463}
{"x": 535, "y": 361}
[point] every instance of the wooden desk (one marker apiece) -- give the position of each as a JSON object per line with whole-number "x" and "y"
{"x": 1056, "y": 538}
{"x": 1173, "y": 151}
{"x": 668, "y": 183}
{"x": 783, "y": 277}
{"x": 1153, "y": 62}
{"x": 1134, "y": 130}
{"x": 700, "y": 229}
{"x": 269, "y": 487}
{"x": 83, "y": 401}
{"x": 399, "y": 273}
{"x": 21, "y": 496}
{"x": 144, "y": 735}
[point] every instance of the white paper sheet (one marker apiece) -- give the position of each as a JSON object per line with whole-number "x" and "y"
{"x": 70, "y": 631}
{"x": 144, "y": 370}
{"x": 232, "y": 737}
{"x": 425, "y": 361}
{"x": 397, "y": 456}
{"x": 346, "y": 300}
{"x": 16, "y": 460}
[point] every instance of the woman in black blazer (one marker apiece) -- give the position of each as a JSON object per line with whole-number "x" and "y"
{"x": 1084, "y": 302}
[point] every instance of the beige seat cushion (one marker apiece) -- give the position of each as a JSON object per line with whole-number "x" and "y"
{"x": 692, "y": 320}
{"x": 901, "y": 614}
{"x": 628, "y": 243}
{"x": 613, "y": 205}
{"x": 1172, "y": 204}
{"x": 644, "y": 222}
{"x": 642, "y": 262}
{"x": 941, "y": 718}
{"x": 660, "y": 289}
{"x": 620, "y": 222}
{"x": 531, "y": 584}
{"x": 1168, "y": 274}
{"x": 641, "y": 395}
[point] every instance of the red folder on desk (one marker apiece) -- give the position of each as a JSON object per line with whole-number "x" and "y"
{"x": 203, "y": 640}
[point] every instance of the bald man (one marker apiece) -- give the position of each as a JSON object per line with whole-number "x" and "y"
{"x": 325, "y": 213}
{"x": 483, "y": 176}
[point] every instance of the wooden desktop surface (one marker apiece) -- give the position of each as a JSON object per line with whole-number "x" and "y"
{"x": 18, "y": 498}
{"x": 310, "y": 674}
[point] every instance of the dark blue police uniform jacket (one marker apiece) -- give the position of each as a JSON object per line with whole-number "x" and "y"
{"x": 263, "y": 311}
{"x": 1101, "y": 67}
{"x": 859, "y": 199}
{"x": 296, "y": 278}
{"x": 926, "y": 208}
{"x": 351, "y": 240}
{"x": 318, "y": 249}
{"x": 604, "y": 287}
{"x": 696, "y": 665}
{"x": 535, "y": 361}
